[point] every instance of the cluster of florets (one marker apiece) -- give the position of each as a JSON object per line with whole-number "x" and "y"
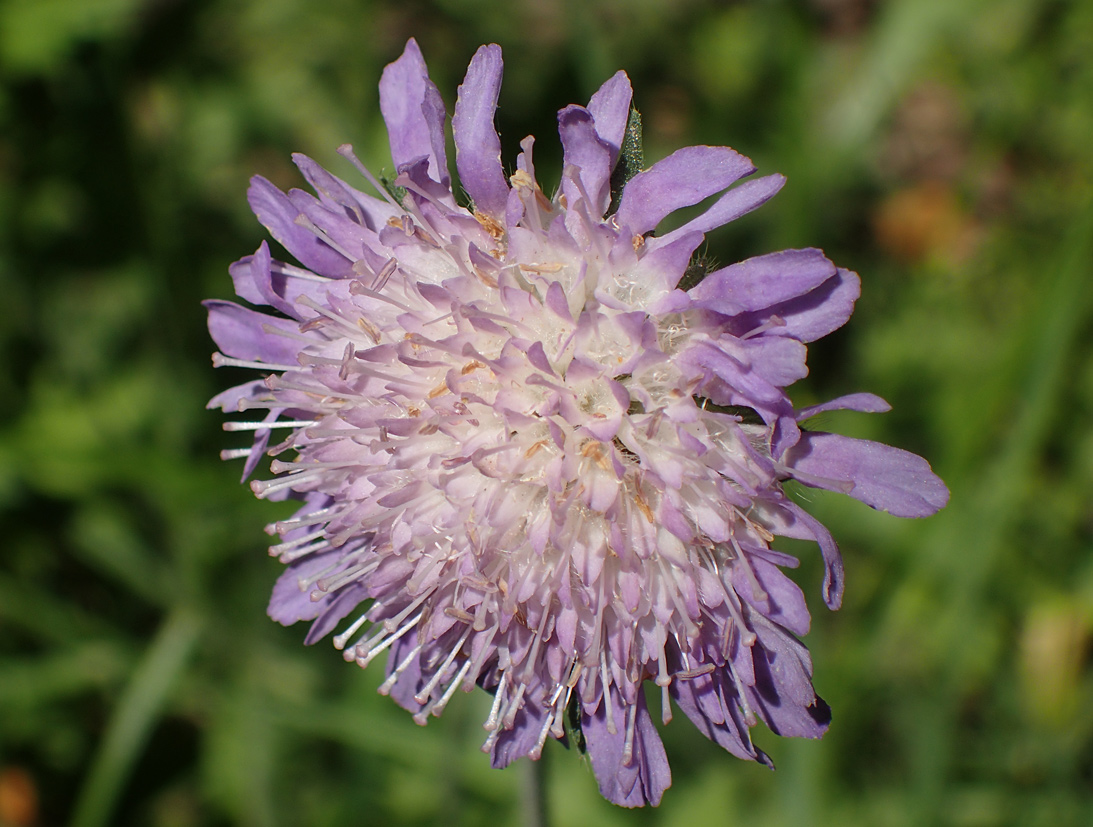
{"x": 533, "y": 456}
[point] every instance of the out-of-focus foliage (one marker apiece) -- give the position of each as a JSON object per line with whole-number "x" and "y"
{"x": 939, "y": 147}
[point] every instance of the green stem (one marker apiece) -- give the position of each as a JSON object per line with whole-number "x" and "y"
{"x": 533, "y": 793}
{"x": 136, "y": 712}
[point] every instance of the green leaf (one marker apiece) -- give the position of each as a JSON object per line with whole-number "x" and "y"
{"x": 631, "y": 159}
{"x": 138, "y": 709}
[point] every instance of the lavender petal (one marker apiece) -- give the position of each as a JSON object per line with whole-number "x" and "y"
{"x": 886, "y": 478}
{"x": 477, "y": 146}
{"x": 414, "y": 113}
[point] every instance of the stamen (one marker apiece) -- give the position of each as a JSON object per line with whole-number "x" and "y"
{"x": 357, "y": 288}
{"x": 280, "y": 466}
{"x": 343, "y": 638}
{"x": 266, "y": 426}
{"x": 440, "y": 705}
{"x": 514, "y": 706}
{"x": 575, "y": 673}
{"x": 306, "y": 583}
{"x": 222, "y": 361}
{"x": 608, "y": 709}
{"x": 358, "y": 368}
{"x": 389, "y": 684}
{"x": 628, "y": 744}
{"x": 322, "y": 515}
{"x": 757, "y": 590}
{"x": 357, "y": 572}
{"x": 535, "y": 752}
{"x": 276, "y": 382}
{"x": 349, "y": 328}
{"x": 384, "y": 274}
{"x": 259, "y": 405}
{"x": 697, "y": 672}
{"x": 302, "y": 551}
{"x": 305, "y": 221}
{"x": 264, "y": 488}
{"x": 742, "y": 697}
{"x": 285, "y": 269}
{"x": 288, "y": 334}
{"x": 773, "y": 321}
{"x": 346, "y": 151}
{"x": 498, "y": 695}
{"x": 366, "y": 656}
{"x": 392, "y": 623}
{"x": 677, "y": 599}
{"x": 557, "y": 728}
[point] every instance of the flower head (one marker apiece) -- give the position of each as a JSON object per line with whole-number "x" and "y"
{"x": 536, "y": 453}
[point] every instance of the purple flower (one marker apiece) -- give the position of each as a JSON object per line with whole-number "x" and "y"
{"x": 529, "y": 460}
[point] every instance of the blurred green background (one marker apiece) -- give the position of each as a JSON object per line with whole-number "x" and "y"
{"x": 941, "y": 148}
